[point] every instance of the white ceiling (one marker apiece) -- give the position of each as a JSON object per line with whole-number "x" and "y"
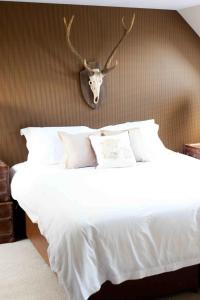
{"x": 159, "y": 4}
{"x": 192, "y": 17}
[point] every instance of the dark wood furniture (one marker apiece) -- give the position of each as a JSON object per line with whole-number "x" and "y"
{"x": 6, "y": 206}
{"x": 192, "y": 150}
{"x": 147, "y": 288}
{"x": 152, "y": 287}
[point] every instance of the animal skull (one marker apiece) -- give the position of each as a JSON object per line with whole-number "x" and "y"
{"x": 95, "y": 74}
{"x": 95, "y": 82}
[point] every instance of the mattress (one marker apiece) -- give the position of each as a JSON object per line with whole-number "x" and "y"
{"x": 114, "y": 224}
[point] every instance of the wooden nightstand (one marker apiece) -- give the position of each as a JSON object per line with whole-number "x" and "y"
{"x": 6, "y": 206}
{"x": 192, "y": 150}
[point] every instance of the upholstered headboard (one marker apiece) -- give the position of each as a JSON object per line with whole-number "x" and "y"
{"x": 158, "y": 75}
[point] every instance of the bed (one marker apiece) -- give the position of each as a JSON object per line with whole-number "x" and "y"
{"x": 142, "y": 223}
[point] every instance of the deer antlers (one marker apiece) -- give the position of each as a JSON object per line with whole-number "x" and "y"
{"x": 107, "y": 67}
{"x": 127, "y": 30}
{"x": 68, "y": 31}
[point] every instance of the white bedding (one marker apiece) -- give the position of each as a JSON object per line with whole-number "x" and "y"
{"x": 114, "y": 224}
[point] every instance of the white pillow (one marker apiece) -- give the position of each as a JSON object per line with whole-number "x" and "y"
{"x": 44, "y": 145}
{"x": 113, "y": 151}
{"x": 146, "y": 144}
{"x": 129, "y": 125}
{"x": 78, "y": 150}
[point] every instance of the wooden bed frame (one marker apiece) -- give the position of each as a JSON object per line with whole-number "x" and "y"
{"x": 38, "y": 240}
{"x": 147, "y": 288}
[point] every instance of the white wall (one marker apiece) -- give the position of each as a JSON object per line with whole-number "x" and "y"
{"x": 192, "y": 17}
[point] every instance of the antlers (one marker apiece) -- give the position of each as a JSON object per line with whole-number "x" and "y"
{"x": 68, "y": 31}
{"x": 107, "y": 67}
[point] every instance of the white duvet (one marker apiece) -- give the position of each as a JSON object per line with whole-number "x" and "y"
{"x": 114, "y": 224}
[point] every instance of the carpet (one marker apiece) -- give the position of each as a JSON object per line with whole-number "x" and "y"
{"x": 25, "y": 276}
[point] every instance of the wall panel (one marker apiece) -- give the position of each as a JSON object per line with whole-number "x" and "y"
{"x": 158, "y": 74}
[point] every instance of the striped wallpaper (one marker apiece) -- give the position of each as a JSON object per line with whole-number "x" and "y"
{"x": 158, "y": 75}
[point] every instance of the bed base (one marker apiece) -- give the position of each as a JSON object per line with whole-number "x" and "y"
{"x": 152, "y": 287}
{"x": 38, "y": 240}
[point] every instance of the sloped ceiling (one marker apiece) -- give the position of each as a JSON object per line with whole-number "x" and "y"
{"x": 192, "y": 17}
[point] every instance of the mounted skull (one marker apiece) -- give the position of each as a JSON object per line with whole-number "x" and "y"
{"x": 95, "y": 74}
{"x": 95, "y": 82}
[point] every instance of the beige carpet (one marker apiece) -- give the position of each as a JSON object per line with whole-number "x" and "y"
{"x": 25, "y": 276}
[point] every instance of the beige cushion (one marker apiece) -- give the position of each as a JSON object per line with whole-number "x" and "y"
{"x": 113, "y": 151}
{"x": 146, "y": 144}
{"x": 78, "y": 150}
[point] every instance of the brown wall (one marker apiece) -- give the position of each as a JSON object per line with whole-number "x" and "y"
{"x": 158, "y": 74}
